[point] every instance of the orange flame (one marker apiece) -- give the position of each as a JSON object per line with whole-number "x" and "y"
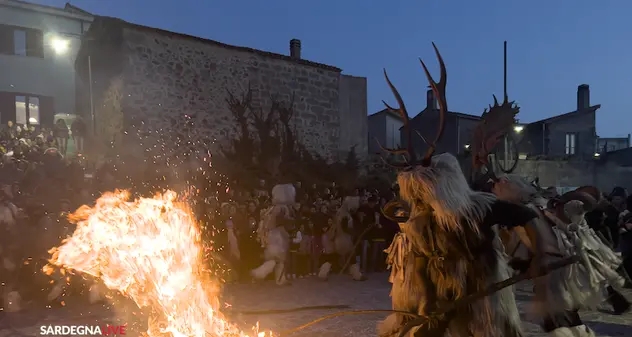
{"x": 150, "y": 250}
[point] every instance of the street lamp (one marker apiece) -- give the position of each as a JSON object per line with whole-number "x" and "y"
{"x": 518, "y": 128}
{"x": 59, "y": 45}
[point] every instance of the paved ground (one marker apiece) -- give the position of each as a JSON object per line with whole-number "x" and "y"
{"x": 372, "y": 294}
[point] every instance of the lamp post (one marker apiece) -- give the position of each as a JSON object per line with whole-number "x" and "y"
{"x": 91, "y": 97}
{"x": 60, "y": 46}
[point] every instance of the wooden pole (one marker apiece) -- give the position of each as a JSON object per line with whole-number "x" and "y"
{"x": 505, "y": 68}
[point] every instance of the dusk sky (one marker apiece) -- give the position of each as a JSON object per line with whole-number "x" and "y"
{"x": 553, "y": 45}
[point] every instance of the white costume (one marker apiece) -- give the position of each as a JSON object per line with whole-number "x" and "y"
{"x": 588, "y": 279}
{"x": 340, "y": 234}
{"x": 272, "y": 234}
{"x": 557, "y": 295}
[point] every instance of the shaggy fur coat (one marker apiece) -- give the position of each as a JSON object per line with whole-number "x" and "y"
{"x": 447, "y": 250}
{"x": 272, "y": 233}
{"x": 341, "y": 231}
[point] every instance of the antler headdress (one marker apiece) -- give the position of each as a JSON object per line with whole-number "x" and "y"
{"x": 494, "y": 124}
{"x": 438, "y": 88}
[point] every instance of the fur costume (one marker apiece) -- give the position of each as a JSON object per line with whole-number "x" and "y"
{"x": 340, "y": 238}
{"x": 272, "y": 234}
{"x": 448, "y": 250}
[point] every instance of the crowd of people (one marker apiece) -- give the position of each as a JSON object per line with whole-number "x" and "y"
{"x": 238, "y": 212}
{"x": 41, "y": 183}
{"x": 29, "y": 141}
{"x": 40, "y": 186}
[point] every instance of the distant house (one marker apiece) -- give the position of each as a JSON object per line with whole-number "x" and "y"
{"x": 457, "y": 133}
{"x": 384, "y": 128}
{"x": 609, "y": 144}
{"x": 38, "y": 46}
{"x": 572, "y": 134}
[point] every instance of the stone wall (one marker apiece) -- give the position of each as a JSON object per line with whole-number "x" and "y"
{"x": 169, "y": 76}
{"x": 353, "y": 115}
{"x": 604, "y": 175}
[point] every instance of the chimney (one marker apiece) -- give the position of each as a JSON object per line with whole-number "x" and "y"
{"x": 431, "y": 101}
{"x": 583, "y": 97}
{"x": 295, "y": 49}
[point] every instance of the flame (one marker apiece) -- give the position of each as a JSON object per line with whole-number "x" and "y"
{"x": 150, "y": 250}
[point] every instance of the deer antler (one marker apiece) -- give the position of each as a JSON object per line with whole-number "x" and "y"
{"x": 438, "y": 89}
{"x": 401, "y": 110}
{"x": 495, "y": 123}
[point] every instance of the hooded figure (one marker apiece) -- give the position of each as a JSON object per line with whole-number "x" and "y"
{"x": 560, "y": 294}
{"x": 340, "y": 238}
{"x": 273, "y": 235}
{"x": 447, "y": 248}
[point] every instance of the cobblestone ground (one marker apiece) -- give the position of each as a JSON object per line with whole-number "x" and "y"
{"x": 372, "y": 294}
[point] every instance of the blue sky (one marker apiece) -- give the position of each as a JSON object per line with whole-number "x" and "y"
{"x": 553, "y": 45}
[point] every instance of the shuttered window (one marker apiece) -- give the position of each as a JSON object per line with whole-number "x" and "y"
{"x": 21, "y": 41}
{"x": 34, "y": 43}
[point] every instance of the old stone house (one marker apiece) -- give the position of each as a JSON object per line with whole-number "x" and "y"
{"x": 155, "y": 75}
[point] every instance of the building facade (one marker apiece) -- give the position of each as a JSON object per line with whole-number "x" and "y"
{"x": 157, "y": 76}
{"x": 384, "y": 128}
{"x": 457, "y": 133}
{"x": 38, "y": 46}
{"x": 569, "y": 135}
{"x": 609, "y": 144}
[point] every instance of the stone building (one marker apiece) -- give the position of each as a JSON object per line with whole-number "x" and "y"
{"x": 155, "y": 75}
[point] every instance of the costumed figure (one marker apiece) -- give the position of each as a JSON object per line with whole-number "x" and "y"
{"x": 273, "y": 235}
{"x": 599, "y": 263}
{"x": 536, "y": 243}
{"x": 340, "y": 237}
{"x": 562, "y": 293}
{"x": 10, "y": 241}
{"x": 447, "y": 249}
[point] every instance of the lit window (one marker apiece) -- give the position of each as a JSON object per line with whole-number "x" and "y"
{"x": 34, "y": 113}
{"x": 570, "y": 143}
{"x": 19, "y": 42}
{"x": 20, "y": 110}
{"x": 27, "y": 110}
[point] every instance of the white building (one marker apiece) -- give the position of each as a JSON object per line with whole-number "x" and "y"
{"x": 384, "y": 128}
{"x": 38, "y": 46}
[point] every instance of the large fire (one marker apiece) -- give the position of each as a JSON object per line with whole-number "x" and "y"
{"x": 150, "y": 250}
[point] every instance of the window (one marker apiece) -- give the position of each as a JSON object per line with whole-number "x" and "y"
{"x": 27, "y": 110}
{"x": 33, "y": 110}
{"x": 570, "y": 143}
{"x": 20, "y": 110}
{"x": 19, "y": 42}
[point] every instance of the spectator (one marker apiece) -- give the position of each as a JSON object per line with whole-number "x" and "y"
{"x": 61, "y": 134}
{"x": 79, "y": 131}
